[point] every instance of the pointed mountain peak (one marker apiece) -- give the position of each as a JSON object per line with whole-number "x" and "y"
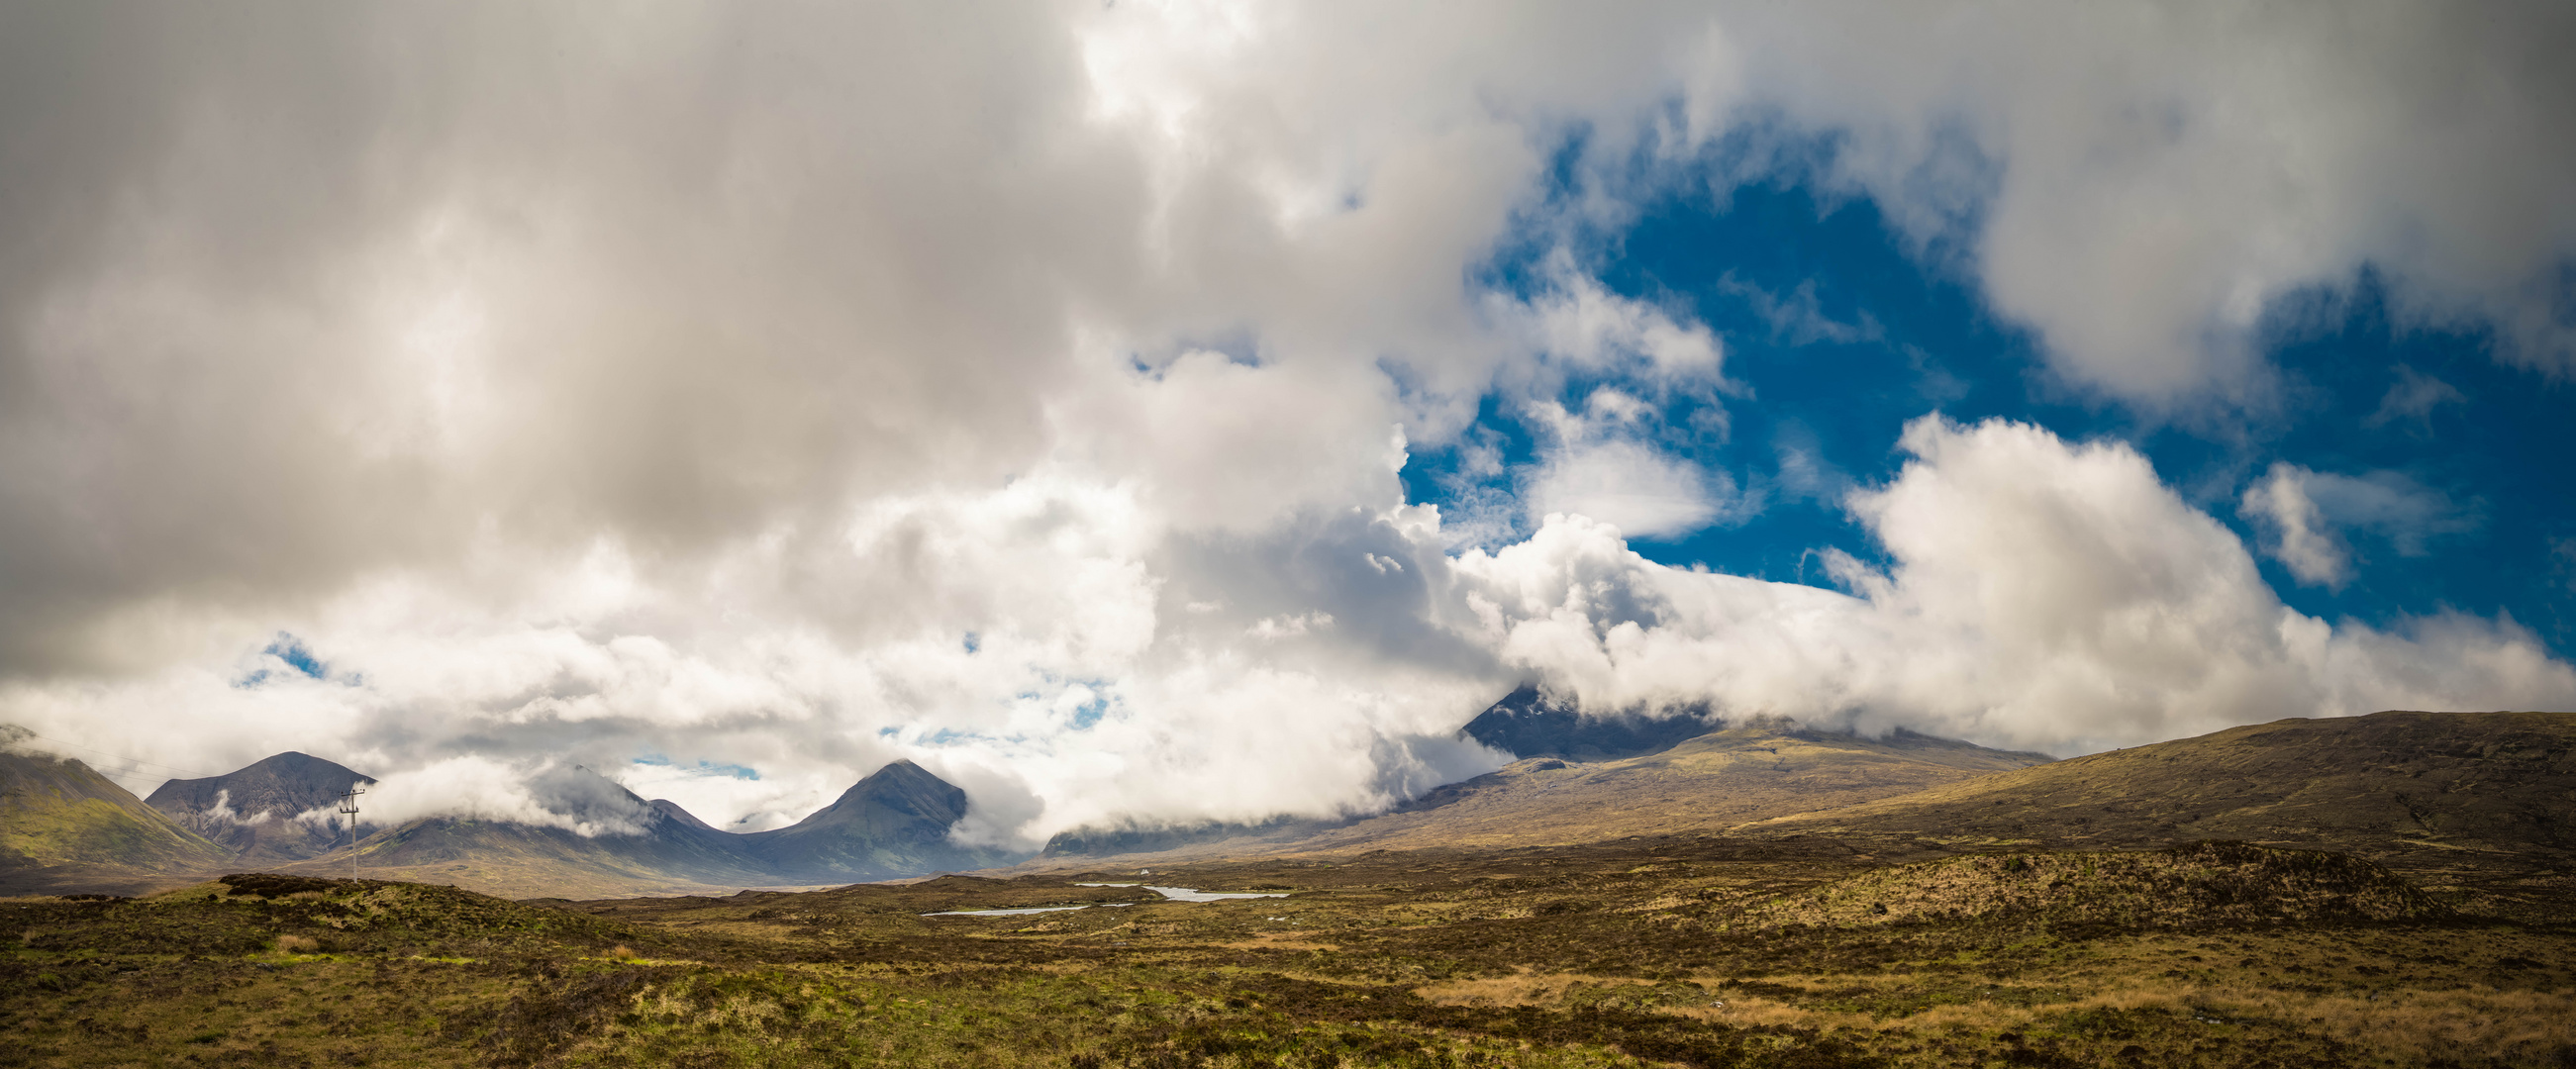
{"x": 252, "y": 810}
{"x": 280, "y": 785}
{"x": 900, "y": 770}
{"x": 894, "y": 821}
{"x": 909, "y": 787}
{"x": 299, "y": 763}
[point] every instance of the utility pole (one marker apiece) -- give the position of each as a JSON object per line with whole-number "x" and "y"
{"x": 349, "y": 809}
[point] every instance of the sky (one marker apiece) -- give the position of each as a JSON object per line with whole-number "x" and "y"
{"x": 1155, "y": 413}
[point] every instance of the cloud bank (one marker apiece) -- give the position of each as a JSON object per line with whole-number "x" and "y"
{"x": 793, "y": 389}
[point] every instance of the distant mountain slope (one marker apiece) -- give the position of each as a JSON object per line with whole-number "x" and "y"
{"x": 253, "y": 812}
{"x": 62, "y": 825}
{"x": 2419, "y": 792}
{"x": 674, "y": 811}
{"x": 645, "y": 849}
{"x": 1528, "y": 723}
{"x": 893, "y": 823}
{"x": 1708, "y": 783}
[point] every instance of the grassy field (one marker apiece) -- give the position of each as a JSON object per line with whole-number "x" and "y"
{"x": 1699, "y": 952}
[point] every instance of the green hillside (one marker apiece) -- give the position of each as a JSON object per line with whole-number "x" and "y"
{"x": 60, "y": 821}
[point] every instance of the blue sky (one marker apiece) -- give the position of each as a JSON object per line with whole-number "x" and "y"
{"x": 1838, "y": 329}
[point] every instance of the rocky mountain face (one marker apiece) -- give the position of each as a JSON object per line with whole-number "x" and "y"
{"x": 64, "y": 826}
{"x": 280, "y": 809}
{"x": 1530, "y": 723}
{"x": 893, "y": 823}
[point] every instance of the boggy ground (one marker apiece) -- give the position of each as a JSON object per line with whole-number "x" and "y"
{"x": 1696, "y": 952}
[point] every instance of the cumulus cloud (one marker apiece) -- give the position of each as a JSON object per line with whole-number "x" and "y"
{"x": 2138, "y": 182}
{"x": 2039, "y": 593}
{"x": 801, "y": 388}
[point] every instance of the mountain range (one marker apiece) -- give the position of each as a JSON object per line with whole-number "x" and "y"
{"x": 893, "y": 823}
{"x": 2483, "y": 801}
{"x": 64, "y": 826}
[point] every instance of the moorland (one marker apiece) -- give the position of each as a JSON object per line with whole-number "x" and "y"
{"x": 2379, "y": 891}
{"x": 1647, "y": 952}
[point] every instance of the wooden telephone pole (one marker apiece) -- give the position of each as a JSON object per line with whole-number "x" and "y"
{"x": 349, "y": 809}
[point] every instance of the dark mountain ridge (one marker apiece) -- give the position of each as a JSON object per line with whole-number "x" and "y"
{"x": 1528, "y": 722}
{"x": 63, "y": 825}
{"x": 896, "y": 822}
{"x": 258, "y": 811}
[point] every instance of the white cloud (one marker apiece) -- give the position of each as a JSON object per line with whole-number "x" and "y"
{"x": 2302, "y": 540}
{"x": 2306, "y": 512}
{"x": 2041, "y": 594}
{"x": 800, "y": 389}
{"x": 1578, "y": 322}
{"x": 222, "y": 812}
{"x": 1630, "y": 486}
{"x": 2140, "y": 180}
{"x": 1274, "y": 628}
{"x": 544, "y": 794}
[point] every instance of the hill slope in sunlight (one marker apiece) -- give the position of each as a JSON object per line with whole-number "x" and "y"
{"x": 64, "y": 825}
{"x": 2435, "y": 795}
{"x": 1703, "y": 785}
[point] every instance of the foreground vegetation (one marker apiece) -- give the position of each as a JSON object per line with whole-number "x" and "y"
{"x": 1702, "y": 952}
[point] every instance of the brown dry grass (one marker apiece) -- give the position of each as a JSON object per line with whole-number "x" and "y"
{"x": 298, "y": 944}
{"x": 1525, "y": 988}
{"x": 2408, "y": 1026}
{"x": 2483, "y": 1023}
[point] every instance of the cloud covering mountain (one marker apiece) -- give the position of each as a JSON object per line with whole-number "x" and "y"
{"x": 730, "y": 398}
